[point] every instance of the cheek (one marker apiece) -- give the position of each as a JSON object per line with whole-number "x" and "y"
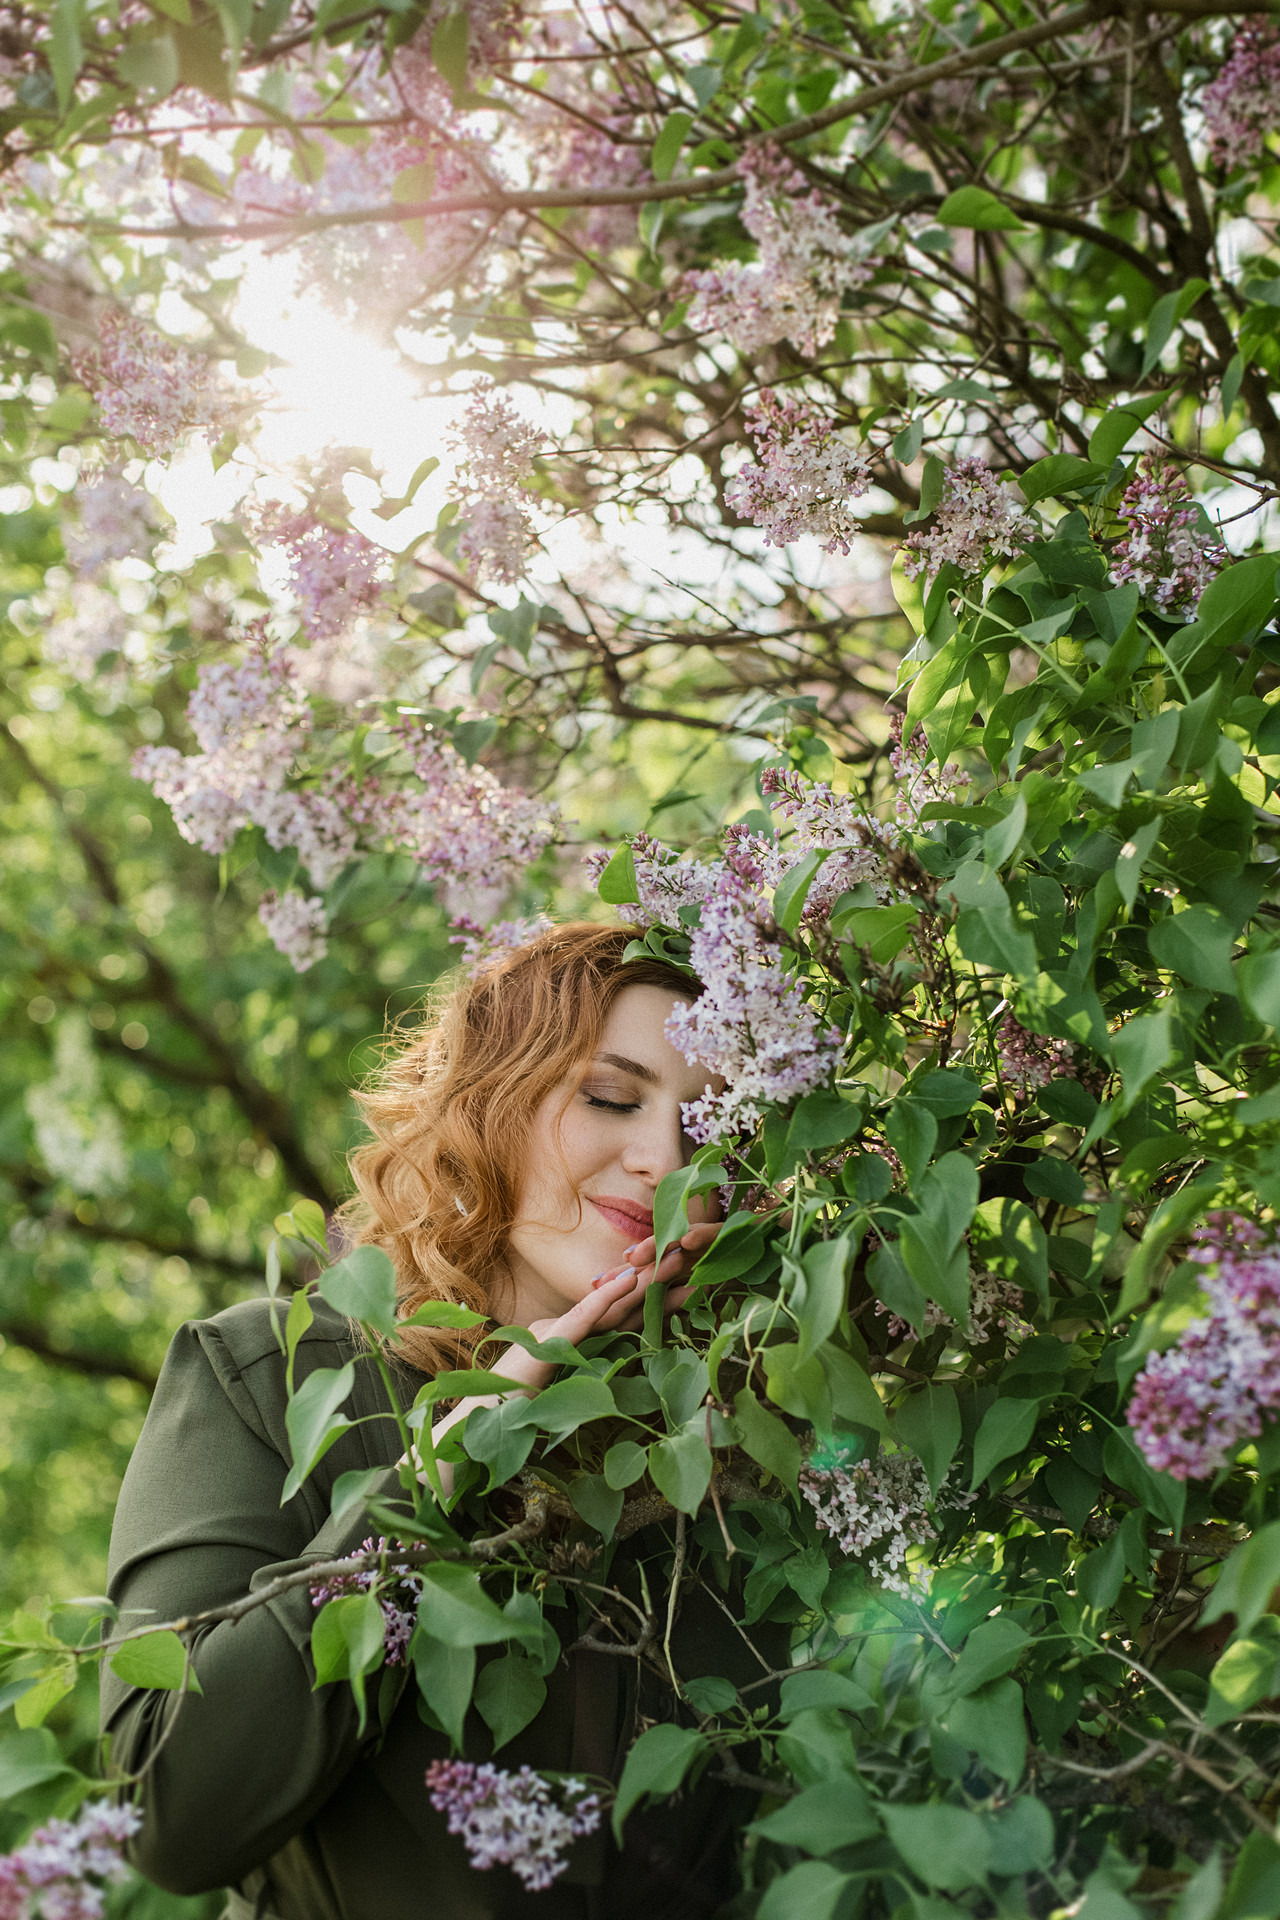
{"x": 565, "y": 1148}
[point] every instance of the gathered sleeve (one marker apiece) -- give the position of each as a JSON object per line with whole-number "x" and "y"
{"x": 231, "y": 1773}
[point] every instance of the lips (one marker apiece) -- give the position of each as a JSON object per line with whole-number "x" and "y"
{"x": 628, "y": 1216}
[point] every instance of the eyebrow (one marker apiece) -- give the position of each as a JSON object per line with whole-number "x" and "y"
{"x": 633, "y": 1067}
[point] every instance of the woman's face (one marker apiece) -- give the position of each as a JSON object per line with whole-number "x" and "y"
{"x": 601, "y": 1141}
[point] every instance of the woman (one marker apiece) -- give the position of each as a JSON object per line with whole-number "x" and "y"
{"x": 517, "y": 1144}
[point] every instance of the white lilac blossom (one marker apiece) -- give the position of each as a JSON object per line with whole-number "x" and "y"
{"x": 875, "y": 1511}
{"x": 805, "y": 263}
{"x": 818, "y": 819}
{"x": 78, "y": 1135}
{"x": 498, "y": 449}
{"x": 483, "y": 947}
{"x": 95, "y": 627}
{"x": 518, "y": 1820}
{"x": 751, "y": 1023}
{"x": 1165, "y": 551}
{"x": 995, "y": 1306}
{"x": 1029, "y": 1061}
{"x": 63, "y": 1871}
{"x": 1193, "y": 1404}
{"x": 297, "y": 926}
{"x": 1240, "y": 102}
{"x": 399, "y": 1606}
{"x": 665, "y": 882}
{"x": 335, "y": 573}
{"x": 116, "y": 521}
{"x": 918, "y": 784}
{"x": 977, "y": 519}
{"x": 249, "y": 721}
{"x": 148, "y": 388}
{"x": 804, "y": 475}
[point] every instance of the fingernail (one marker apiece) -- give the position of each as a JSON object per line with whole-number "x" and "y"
{"x": 633, "y": 1251}
{"x": 624, "y": 1273}
{"x": 599, "y": 1280}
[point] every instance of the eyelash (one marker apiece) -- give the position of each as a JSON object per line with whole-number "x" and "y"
{"x": 610, "y": 1106}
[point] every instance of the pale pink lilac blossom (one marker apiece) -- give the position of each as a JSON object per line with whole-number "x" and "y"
{"x": 1241, "y": 104}
{"x": 1029, "y": 1061}
{"x": 977, "y": 519}
{"x": 399, "y": 1606}
{"x": 296, "y": 926}
{"x": 804, "y": 475}
{"x": 751, "y": 1024}
{"x": 876, "y": 1511}
{"x": 116, "y": 521}
{"x": 1166, "y": 551}
{"x": 148, "y": 388}
{"x": 805, "y": 263}
{"x": 335, "y": 573}
{"x": 95, "y": 626}
{"x": 917, "y": 782}
{"x": 518, "y": 1820}
{"x": 498, "y": 449}
{"x": 482, "y": 947}
{"x": 64, "y": 1870}
{"x": 1193, "y": 1404}
{"x": 995, "y": 1306}
{"x": 464, "y": 827}
{"x": 821, "y": 819}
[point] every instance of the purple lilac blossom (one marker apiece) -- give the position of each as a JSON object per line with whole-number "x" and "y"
{"x": 919, "y": 784}
{"x": 517, "y": 1820}
{"x": 482, "y": 947}
{"x": 1193, "y": 1404}
{"x": 399, "y": 1610}
{"x": 63, "y": 1870}
{"x": 498, "y": 449}
{"x": 1165, "y": 550}
{"x": 335, "y": 572}
{"x": 148, "y": 388}
{"x": 1240, "y": 102}
{"x": 1028, "y": 1061}
{"x": 803, "y": 476}
{"x": 978, "y": 519}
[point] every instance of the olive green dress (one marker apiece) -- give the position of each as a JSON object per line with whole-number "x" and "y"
{"x": 261, "y": 1783}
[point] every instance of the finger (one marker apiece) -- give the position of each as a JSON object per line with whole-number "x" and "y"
{"x": 700, "y": 1236}
{"x": 642, "y": 1252}
{"x": 590, "y": 1311}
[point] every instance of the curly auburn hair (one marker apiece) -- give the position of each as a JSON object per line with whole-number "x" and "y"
{"x": 450, "y": 1113}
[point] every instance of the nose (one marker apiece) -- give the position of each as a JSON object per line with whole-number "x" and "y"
{"x": 657, "y": 1144}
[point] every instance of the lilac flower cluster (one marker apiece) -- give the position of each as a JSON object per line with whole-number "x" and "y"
{"x": 399, "y": 1609}
{"x": 820, "y": 819}
{"x": 1194, "y": 1403}
{"x": 518, "y": 1820}
{"x": 1028, "y": 1061}
{"x": 1239, "y": 104}
{"x": 335, "y": 572}
{"x": 876, "y": 1512}
{"x": 148, "y": 388}
{"x": 62, "y": 1872}
{"x": 464, "y": 827}
{"x": 918, "y": 783}
{"x": 805, "y": 263}
{"x": 297, "y": 925}
{"x": 483, "y": 946}
{"x": 804, "y": 476}
{"x": 116, "y": 520}
{"x": 995, "y": 1306}
{"x": 1165, "y": 550}
{"x": 498, "y": 450}
{"x": 978, "y": 519}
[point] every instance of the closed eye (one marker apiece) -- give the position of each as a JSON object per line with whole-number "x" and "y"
{"x": 602, "y": 1105}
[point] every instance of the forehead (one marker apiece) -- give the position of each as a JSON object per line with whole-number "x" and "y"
{"x": 635, "y": 1029}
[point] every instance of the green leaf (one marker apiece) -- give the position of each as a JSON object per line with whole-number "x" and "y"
{"x": 928, "y": 1424}
{"x": 1168, "y": 313}
{"x": 27, "y": 1760}
{"x": 812, "y": 1891}
{"x": 818, "y": 1298}
{"x": 562, "y": 1408}
{"x": 882, "y": 931}
{"x": 976, "y": 208}
{"x": 157, "y": 1660}
{"x": 312, "y": 1420}
{"x": 351, "y": 1490}
{"x": 65, "y": 48}
{"x": 617, "y": 885}
{"x": 792, "y": 890}
{"x": 347, "y": 1638}
{"x": 1006, "y": 1429}
{"x": 455, "y": 1608}
{"x": 449, "y": 50}
{"x": 509, "y": 1694}
{"x": 990, "y": 1650}
{"x": 913, "y": 1134}
{"x": 624, "y": 1464}
{"x": 666, "y": 148}
{"x": 1142, "y": 1049}
{"x": 833, "y": 1813}
{"x": 680, "y": 1468}
{"x": 711, "y": 1694}
{"x": 412, "y": 187}
{"x": 946, "y": 1091}
{"x": 822, "y": 1687}
{"x": 442, "y": 1313}
{"x": 1021, "y": 1837}
{"x": 1202, "y": 1895}
{"x": 657, "y": 1764}
{"x": 990, "y": 1721}
{"x": 822, "y": 1120}
{"x": 853, "y": 1395}
{"x": 1117, "y": 427}
{"x": 1260, "y": 985}
{"x": 1197, "y": 945}
{"x": 363, "y": 1287}
{"x": 1248, "y": 1671}
{"x": 947, "y": 1847}
{"x": 1131, "y": 859}
{"x": 446, "y": 1678}
{"x": 1058, "y": 473}
{"x": 671, "y": 1200}
{"x": 1247, "y": 1581}
{"x": 1001, "y": 842}
{"x": 596, "y": 1502}
{"x": 908, "y": 441}
{"x": 768, "y": 1440}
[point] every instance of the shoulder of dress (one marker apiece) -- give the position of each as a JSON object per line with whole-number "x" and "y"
{"x": 253, "y": 1330}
